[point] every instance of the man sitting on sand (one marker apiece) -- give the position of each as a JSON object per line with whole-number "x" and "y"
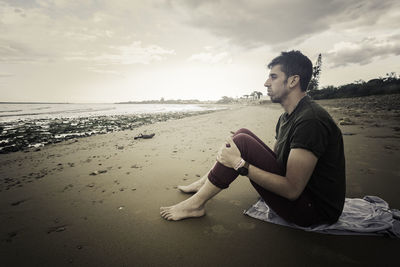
{"x": 303, "y": 178}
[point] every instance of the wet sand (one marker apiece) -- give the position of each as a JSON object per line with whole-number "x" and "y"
{"x": 95, "y": 201}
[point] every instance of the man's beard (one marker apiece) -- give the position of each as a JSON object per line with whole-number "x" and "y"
{"x": 275, "y": 100}
{"x": 279, "y": 99}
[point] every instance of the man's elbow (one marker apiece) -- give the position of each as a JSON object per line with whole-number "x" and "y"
{"x": 293, "y": 194}
{"x": 294, "y": 189}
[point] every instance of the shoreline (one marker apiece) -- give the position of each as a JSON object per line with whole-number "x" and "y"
{"x": 21, "y": 135}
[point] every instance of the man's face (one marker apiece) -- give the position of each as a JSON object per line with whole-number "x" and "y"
{"x": 277, "y": 85}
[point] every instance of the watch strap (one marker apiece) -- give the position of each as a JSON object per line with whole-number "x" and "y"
{"x": 240, "y": 164}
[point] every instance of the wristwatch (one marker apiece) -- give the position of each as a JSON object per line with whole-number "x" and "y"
{"x": 244, "y": 169}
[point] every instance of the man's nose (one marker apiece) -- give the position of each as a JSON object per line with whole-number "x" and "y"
{"x": 267, "y": 83}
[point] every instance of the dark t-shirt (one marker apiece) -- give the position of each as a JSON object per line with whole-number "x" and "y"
{"x": 310, "y": 127}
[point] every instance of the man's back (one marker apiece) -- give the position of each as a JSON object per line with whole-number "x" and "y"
{"x": 310, "y": 127}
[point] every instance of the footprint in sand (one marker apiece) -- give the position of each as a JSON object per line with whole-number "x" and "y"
{"x": 217, "y": 229}
{"x": 235, "y": 202}
{"x": 246, "y": 226}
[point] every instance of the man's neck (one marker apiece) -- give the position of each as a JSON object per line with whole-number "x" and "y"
{"x": 291, "y": 101}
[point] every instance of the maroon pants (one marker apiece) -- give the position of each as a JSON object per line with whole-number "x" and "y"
{"x": 300, "y": 211}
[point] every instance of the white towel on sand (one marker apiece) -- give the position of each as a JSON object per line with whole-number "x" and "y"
{"x": 367, "y": 216}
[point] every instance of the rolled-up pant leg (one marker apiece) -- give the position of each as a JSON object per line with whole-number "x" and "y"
{"x": 300, "y": 211}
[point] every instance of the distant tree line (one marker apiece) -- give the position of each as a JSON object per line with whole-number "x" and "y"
{"x": 226, "y": 100}
{"x": 163, "y": 101}
{"x": 255, "y": 95}
{"x": 382, "y": 85}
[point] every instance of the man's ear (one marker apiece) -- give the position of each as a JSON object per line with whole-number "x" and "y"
{"x": 294, "y": 81}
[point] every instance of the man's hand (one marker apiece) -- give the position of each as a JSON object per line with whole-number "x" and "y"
{"x": 229, "y": 155}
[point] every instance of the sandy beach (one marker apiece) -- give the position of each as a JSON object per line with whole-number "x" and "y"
{"x": 95, "y": 201}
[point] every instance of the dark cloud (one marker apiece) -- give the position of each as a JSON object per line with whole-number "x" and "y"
{"x": 256, "y": 23}
{"x": 363, "y": 52}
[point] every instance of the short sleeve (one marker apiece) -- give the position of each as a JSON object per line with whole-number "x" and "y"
{"x": 310, "y": 135}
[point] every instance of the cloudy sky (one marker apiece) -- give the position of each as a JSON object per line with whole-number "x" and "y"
{"x": 120, "y": 50}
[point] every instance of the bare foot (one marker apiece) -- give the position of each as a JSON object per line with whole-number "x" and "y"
{"x": 182, "y": 210}
{"x": 193, "y": 187}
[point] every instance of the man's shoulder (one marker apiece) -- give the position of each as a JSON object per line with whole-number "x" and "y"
{"x": 314, "y": 115}
{"x": 313, "y": 111}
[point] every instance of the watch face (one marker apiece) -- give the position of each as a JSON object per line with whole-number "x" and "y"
{"x": 243, "y": 171}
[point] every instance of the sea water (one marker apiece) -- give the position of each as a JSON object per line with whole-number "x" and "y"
{"x": 13, "y": 112}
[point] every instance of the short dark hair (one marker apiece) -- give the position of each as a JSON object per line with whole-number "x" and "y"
{"x": 294, "y": 63}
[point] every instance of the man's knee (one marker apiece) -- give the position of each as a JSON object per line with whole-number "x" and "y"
{"x": 242, "y": 131}
{"x": 242, "y": 141}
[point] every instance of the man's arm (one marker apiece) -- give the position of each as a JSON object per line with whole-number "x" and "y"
{"x": 300, "y": 165}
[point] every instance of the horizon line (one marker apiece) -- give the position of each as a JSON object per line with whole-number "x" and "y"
{"x": 124, "y": 102}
